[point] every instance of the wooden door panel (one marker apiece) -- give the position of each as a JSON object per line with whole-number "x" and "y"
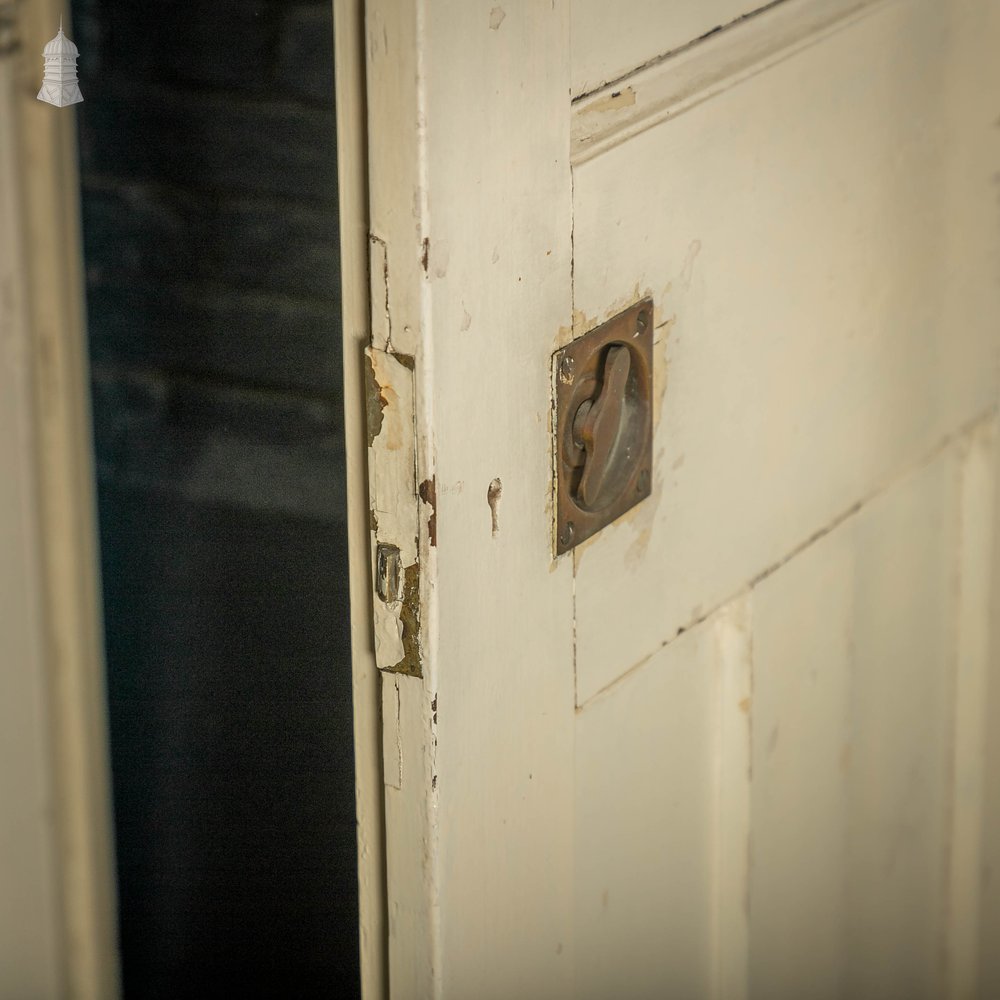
{"x": 775, "y": 808}
{"x": 796, "y": 233}
{"x": 610, "y": 39}
{"x": 800, "y": 720}
{"x": 852, "y": 718}
{"x": 660, "y": 852}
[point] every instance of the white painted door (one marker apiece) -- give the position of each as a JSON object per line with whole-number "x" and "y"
{"x": 736, "y": 744}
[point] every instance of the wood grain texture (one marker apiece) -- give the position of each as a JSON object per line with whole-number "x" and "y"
{"x": 800, "y": 244}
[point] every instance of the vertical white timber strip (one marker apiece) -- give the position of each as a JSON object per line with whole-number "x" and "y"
{"x": 397, "y": 255}
{"x": 352, "y": 164}
{"x": 989, "y": 872}
{"x": 975, "y": 576}
{"x": 394, "y": 150}
{"x": 973, "y": 287}
{"x": 499, "y": 271}
{"x": 30, "y": 926}
{"x": 77, "y": 735}
{"x": 392, "y": 755}
{"x": 471, "y": 210}
{"x": 410, "y": 846}
{"x": 734, "y": 665}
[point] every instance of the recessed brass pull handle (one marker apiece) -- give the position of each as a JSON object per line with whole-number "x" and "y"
{"x": 604, "y": 423}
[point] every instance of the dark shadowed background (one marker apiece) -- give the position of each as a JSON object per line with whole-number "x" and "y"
{"x": 208, "y": 158}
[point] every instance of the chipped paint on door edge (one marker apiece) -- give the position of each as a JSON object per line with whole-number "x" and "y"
{"x": 395, "y": 510}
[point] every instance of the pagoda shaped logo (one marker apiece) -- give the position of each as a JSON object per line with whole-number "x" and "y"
{"x": 59, "y": 87}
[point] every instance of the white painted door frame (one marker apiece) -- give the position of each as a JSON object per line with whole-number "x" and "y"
{"x": 352, "y": 157}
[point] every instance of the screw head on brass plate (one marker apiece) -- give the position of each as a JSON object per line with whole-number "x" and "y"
{"x": 604, "y": 424}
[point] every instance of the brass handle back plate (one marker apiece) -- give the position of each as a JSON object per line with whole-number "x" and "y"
{"x": 603, "y": 424}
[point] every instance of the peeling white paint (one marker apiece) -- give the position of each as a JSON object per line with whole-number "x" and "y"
{"x": 392, "y": 493}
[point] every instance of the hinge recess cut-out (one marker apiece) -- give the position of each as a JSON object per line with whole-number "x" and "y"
{"x": 396, "y": 513}
{"x": 604, "y": 424}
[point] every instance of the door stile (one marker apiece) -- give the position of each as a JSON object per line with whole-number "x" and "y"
{"x": 470, "y": 269}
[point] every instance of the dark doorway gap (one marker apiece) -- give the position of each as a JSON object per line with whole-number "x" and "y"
{"x": 208, "y": 163}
